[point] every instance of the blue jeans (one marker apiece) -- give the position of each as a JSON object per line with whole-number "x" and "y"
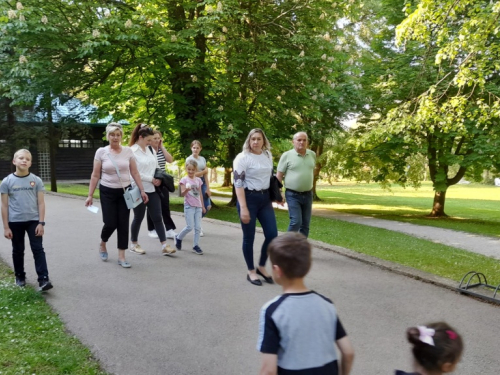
{"x": 193, "y": 220}
{"x": 18, "y": 231}
{"x": 260, "y": 208}
{"x": 299, "y": 211}
{"x": 206, "y": 200}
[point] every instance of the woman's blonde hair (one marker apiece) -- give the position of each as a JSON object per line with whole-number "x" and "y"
{"x": 112, "y": 127}
{"x": 265, "y": 147}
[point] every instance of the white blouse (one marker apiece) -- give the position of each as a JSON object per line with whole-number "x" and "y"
{"x": 146, "y": 165}
{"x": 252, "y": 171}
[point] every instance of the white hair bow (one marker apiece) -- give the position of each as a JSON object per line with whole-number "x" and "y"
{"x": 426, "y": 335}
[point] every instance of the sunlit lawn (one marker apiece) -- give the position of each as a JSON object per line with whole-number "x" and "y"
{"x": 473, "y": 208}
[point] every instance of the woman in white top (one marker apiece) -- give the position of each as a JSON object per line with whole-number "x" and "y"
{"x": 141, "y": 138}
{"x": 115, "y": 213}
{"x": 252, "y": 172}
{"x": 163, "y": 157}
{"x": 203, "y": 174}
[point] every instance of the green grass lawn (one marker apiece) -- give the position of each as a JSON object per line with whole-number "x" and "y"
{"x": 33, "y": 339}
{"x": 471, "y": 208}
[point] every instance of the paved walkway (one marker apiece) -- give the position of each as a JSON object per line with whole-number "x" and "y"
{"x": 195, "y": 315}
{"x": 484, "y": 245}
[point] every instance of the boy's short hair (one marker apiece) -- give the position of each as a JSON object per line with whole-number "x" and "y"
{"x": 21, "y": 151}
{"x": 292, "y": 253}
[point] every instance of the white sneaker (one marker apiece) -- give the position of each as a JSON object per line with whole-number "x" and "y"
{"x": 153, "y": 234}
{"x": 136, "y": 248}
{"x": 171, "y": 233}
{"x": 201, "y": 232}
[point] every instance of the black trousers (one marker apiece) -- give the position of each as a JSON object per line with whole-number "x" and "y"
{"x": 165, "y": 212}
{"x": 154, "y": 208}
{"x": 115, "y": 214}
{"x": 18, "y": 230}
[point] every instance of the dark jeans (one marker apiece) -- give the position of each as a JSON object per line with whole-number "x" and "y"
{"x": 165, "y": 212}
{"x": 206, "y": 199}
{"x": 260, "y": 208}
{"x": 299, "y": 211}
{"x": 18, "y": 230}
{"x": 115, "y": 214}
{"x": 154, "y": 209}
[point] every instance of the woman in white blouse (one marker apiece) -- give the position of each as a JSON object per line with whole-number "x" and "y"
{"x": 141, "y": 138}
{"x": 252, "y": 171}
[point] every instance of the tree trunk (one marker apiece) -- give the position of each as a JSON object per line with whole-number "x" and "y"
{"x": 227, "y": 177}
{"x": 438, "y": 205}
{"x": 318, "y": 149}
{"x": 234, "y": 199}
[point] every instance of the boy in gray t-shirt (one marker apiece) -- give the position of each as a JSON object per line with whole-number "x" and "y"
{"x": 23, "y": 211}
{"x": 299, "y": 329}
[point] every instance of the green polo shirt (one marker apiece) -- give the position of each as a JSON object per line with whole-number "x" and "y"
{"x": 298, "y": 170}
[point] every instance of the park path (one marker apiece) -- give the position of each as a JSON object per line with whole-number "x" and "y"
{"x": 488, "y": 246}
{"x": 195, "y": 315}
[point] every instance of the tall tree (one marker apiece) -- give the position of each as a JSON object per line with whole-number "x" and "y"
{"x": 441, "y": 90}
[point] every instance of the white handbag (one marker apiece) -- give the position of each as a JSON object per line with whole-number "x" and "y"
{"x": 132, "y": 195}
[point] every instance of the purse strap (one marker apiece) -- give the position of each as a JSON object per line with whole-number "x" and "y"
{"x": 117, "y": 170}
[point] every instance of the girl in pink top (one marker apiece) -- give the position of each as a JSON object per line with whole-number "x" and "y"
{"x": 193, "y": 206}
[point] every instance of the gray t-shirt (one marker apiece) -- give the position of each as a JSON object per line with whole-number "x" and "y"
{"x": 23, "y": 196}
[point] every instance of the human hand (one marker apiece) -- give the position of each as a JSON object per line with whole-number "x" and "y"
{"x": 204, "y": 210}
{"x": 39, "y": 231}
{"x": 244, "y": 215}
{"x": 145, "y": 197}
{"x": 7, "y": 233}
{"x": 208, "y": 192}
{"x": 156, "y": 182}
{"x": 88, "y": 201}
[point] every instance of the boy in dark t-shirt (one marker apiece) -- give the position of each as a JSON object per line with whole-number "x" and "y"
{"x": 299, "y": 329}
{"x": 23, "y": 211}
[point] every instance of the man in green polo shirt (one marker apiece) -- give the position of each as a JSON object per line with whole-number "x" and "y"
{"x": 297, "y": 168}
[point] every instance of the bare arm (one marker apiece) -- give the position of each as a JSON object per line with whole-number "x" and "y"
{"x": 94, "y": 178}
{"x": 41, "y": 213}
{"x": 184, "y": 190}
{"x": 279, "y": 176}
{"x": 269, "y": 364}
{"x": 5, "y": 216}
{"x": 167, "y": 155}
{"x": 346, "y": 355}
{"x": 244, "y": 213}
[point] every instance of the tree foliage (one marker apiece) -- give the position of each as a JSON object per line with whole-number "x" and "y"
{"x": 438, "y": 97}
{"x": 210, "y": 69}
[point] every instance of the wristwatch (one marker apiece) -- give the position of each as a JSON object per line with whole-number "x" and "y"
{"x": 42, "y": 222}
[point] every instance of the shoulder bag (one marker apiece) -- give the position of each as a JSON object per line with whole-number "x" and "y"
{"x": 132, "y": 195}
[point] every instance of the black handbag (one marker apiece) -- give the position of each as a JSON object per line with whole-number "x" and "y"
{"x": 274, "y": 185}
{"x": 275, "y": 189}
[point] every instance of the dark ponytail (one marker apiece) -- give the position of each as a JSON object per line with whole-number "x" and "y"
{"x": 141, "y": 130}
{"x": 445, "y": 345}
